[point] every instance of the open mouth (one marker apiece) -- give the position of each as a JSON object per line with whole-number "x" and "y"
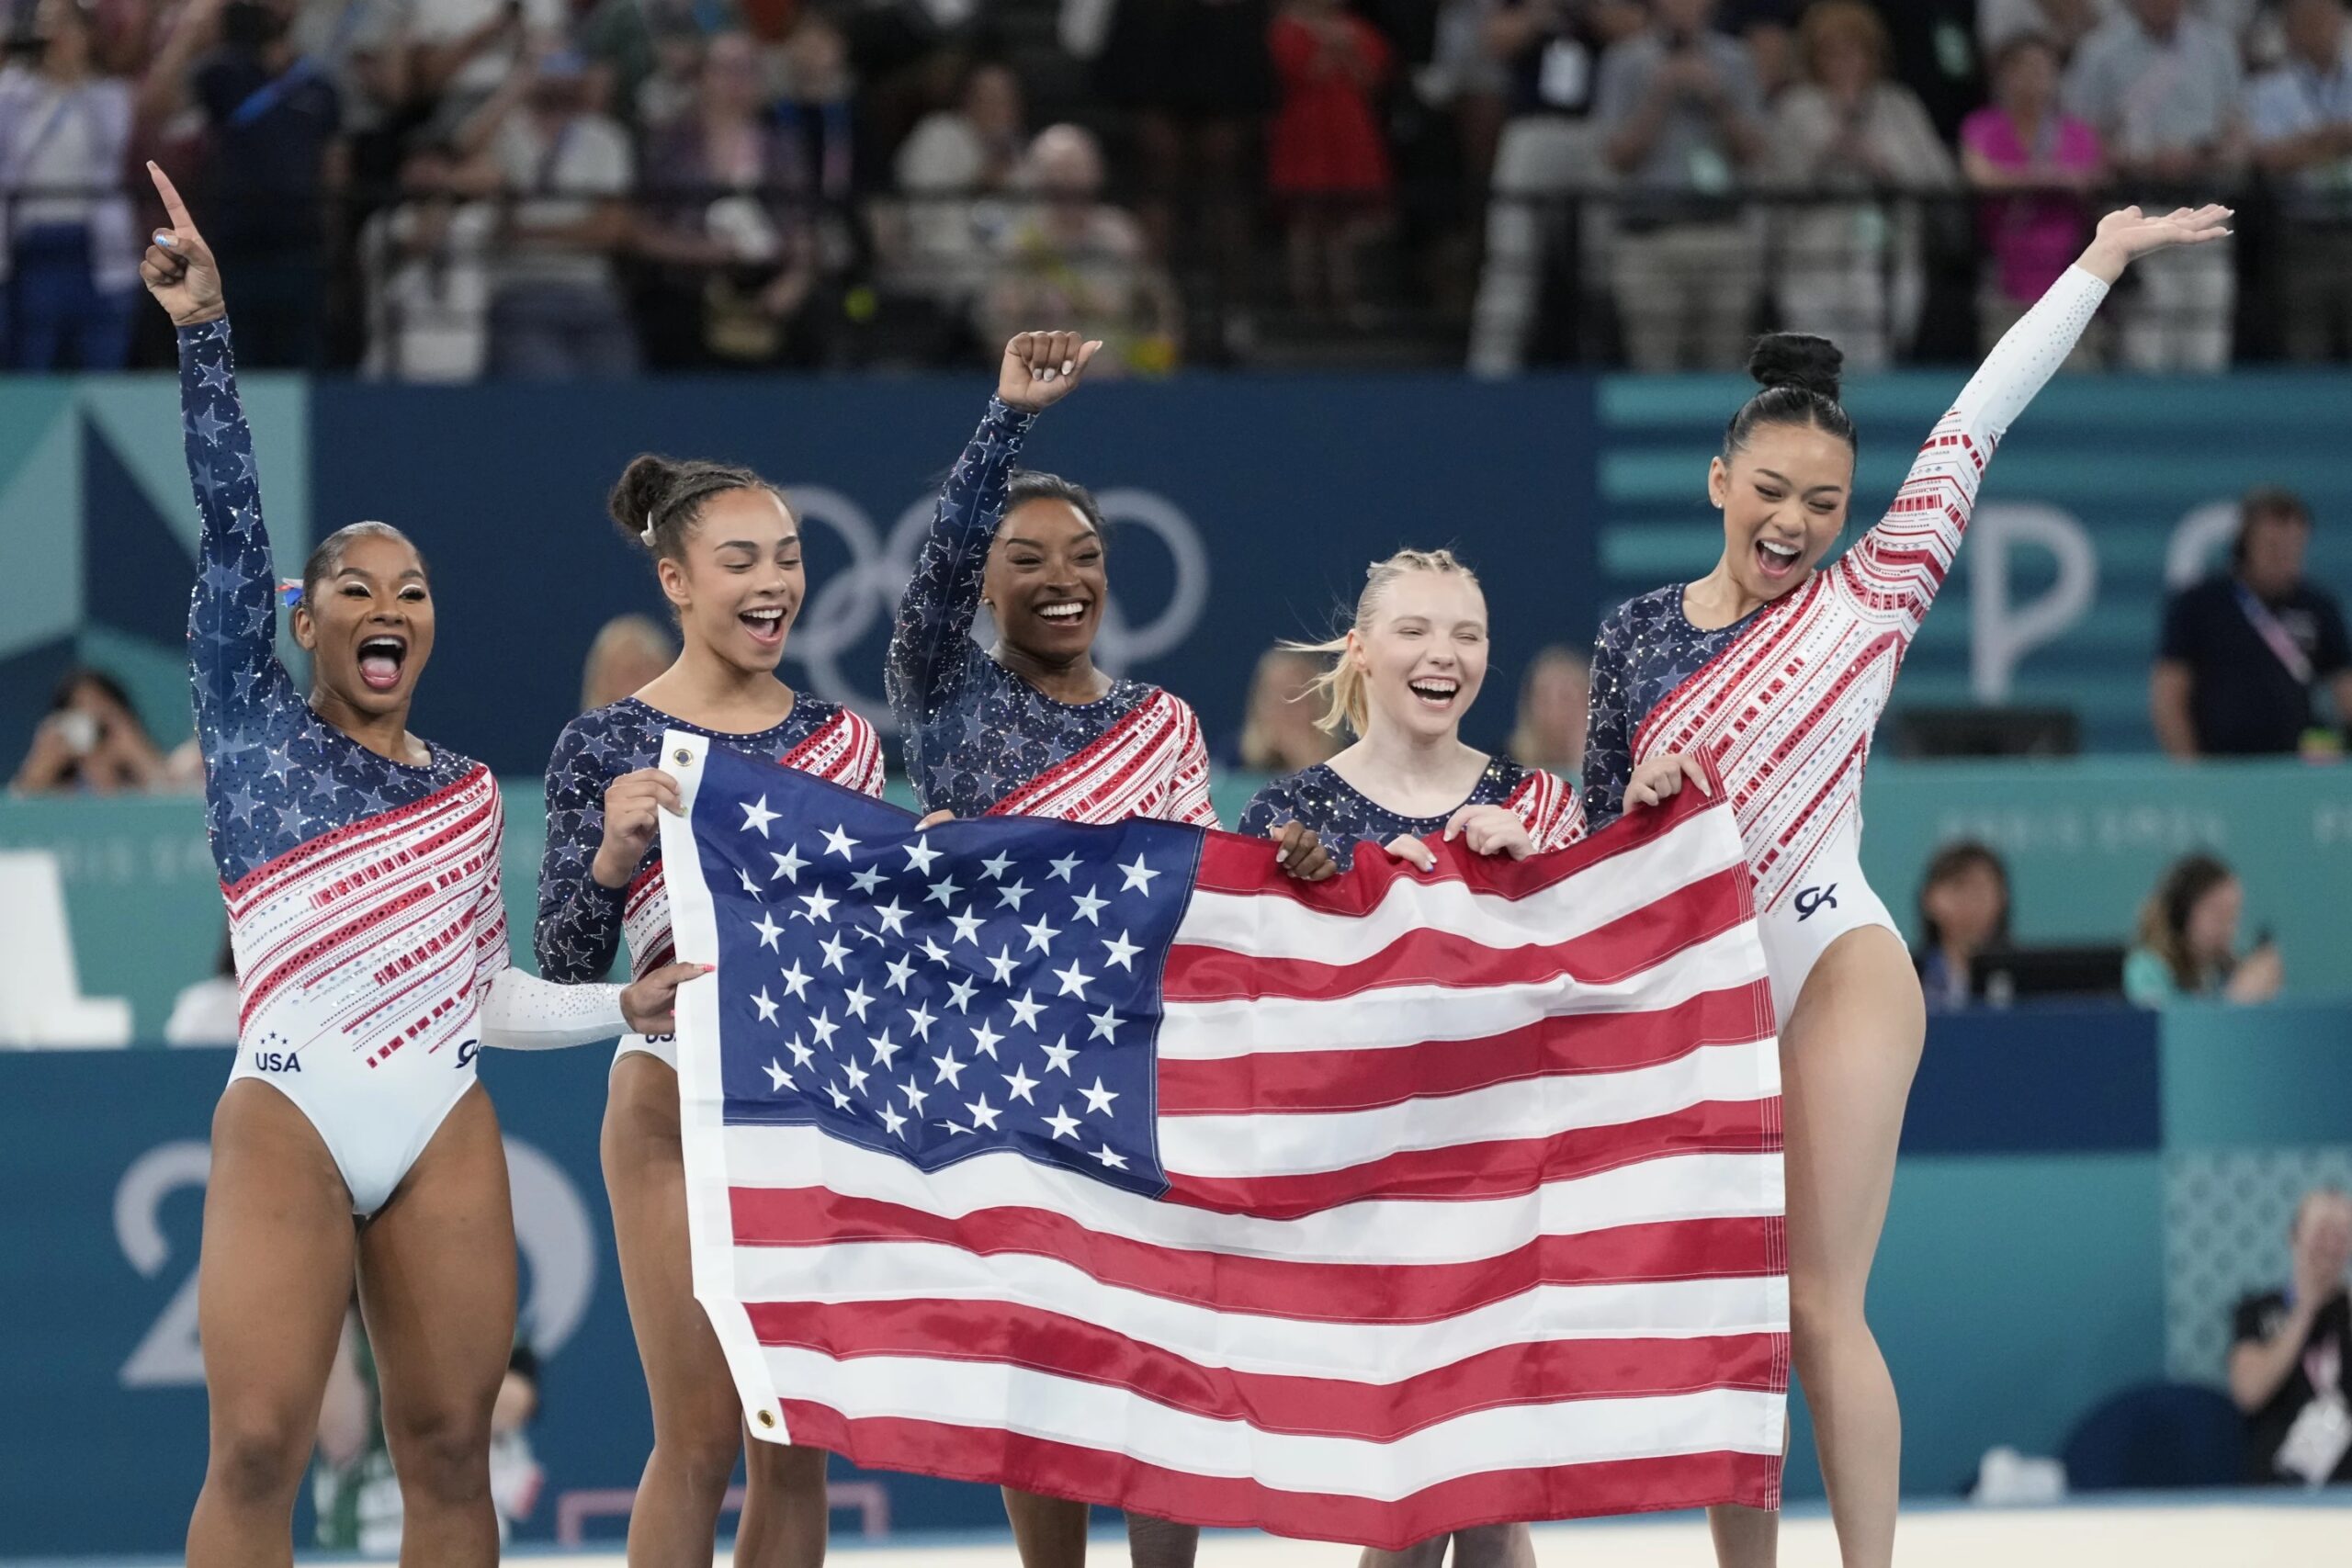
{"x": 1777, "y": 560}
{"x": 1062, "y": 612}
{"x": 1434, "y": 691}
{"x": 765, "y": 625}
{"x": 381, "y": 660}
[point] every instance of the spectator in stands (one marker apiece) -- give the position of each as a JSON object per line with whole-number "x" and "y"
{"x": 1679, "y": 108}
{"x": 649, "y": 51}
{"x": 1542, "y": 57}
{"x": 2064, "y": 23}
{"x": 1074, "y": 258}
{"x": 1854, "y": 271}
{"x": 275, "y": 156}
{"x": 2187, "y": 944}
{"x": 69, "y": 261}
{"x": 1767, "y": 31}
{"x": 2246, "y": 652}
{"x": 1963, "y": 910}
{"x": 1200, "y": 80}
{"x": 206, "y": 1013}
{"x": 1327, "y": 158}
{"x": 630, "y": 651}
{"x": 1279, "y": 734}
{"x": 566, "y": 172}
{"x": 727, "y": 219}
{"x": 2162, "y": 88}
{"x": 91, "y": 743}
{"x": 2301, "y": 121}
{"x": 956, "y": 168}
{"x": 814, "y": 86}
{"x": 461, "y": 52}
{"x": 2290, "y": 1354}
{"x": 425, "y": 264}
{"x": 2037, "y": 166}
{"x": 1554, "y": 709}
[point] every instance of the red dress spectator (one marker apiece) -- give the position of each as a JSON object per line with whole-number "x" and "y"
{"x": 1326, "y": 137}
{"x": 1325, "y": 153}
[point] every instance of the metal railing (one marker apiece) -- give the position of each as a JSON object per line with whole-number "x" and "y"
{"x": 1430, "y": 275}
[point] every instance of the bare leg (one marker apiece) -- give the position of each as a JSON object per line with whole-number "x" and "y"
{"x": 1847, "y": 1054}
{"x": 1049, "y": 1531}
{"x": 272, "y": 1287}
{"x": 1162, "y": 1543}
{"x": 1485, "y": 1546}
{"x": 437, "y": 1288}
{"x": 697, "y": 1421}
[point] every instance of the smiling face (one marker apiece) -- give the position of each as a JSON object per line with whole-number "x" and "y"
{"x": 1422, "y": 652}
{"x": 1045, "y": 581}
{"x": 1783, "y": 497}
{"x": 737, "y": 582}
{"x": 367, "y": 625}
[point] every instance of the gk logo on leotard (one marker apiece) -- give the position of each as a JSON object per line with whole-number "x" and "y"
{"x": 466, "y": 1050}
{"x": 1813, "y": 898}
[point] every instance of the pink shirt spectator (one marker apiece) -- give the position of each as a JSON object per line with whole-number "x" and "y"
{"x": 2032, "y": 237}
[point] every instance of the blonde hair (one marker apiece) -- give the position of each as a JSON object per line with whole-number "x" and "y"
{"x": 1341, "y": 686}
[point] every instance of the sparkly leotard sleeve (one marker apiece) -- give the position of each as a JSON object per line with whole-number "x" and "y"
{"x": 978, "y": 738}
{"x": 1785, "y": 700}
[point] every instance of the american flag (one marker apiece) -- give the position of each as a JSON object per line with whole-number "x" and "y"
{"x": 1109, "y": 1163}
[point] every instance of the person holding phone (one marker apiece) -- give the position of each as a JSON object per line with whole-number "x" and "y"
{"x": 91, "y": 742}
{"x": 2188, "y": 940}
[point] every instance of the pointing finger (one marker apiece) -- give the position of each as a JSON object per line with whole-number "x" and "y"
{"x": 171, "y": 195}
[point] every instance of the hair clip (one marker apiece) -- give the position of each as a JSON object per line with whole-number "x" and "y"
{"x": 290, "y": 592}
{"x": 648, "y": 534}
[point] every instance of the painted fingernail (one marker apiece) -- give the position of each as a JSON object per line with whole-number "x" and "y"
{"x": 166, "y": 240}
{"x": 1068, "y": 366}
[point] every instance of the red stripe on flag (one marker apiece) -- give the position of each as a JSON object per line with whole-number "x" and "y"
{"x": 1603, "y": 956}
{"x": 1054, "y": 1343}
{"x": 1498, "y": 1169}
{"x": 1067, "y": 1470}
{"x": 1725, "y": 1247}
{"x": 1231, "y": 863}
{"x": 1561, "y": 1045}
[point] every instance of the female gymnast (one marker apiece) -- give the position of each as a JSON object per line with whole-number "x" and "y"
{"x": 726, "y": 549}
{"x": 360, "y": 867}
{"x": 1403, "y": 679}
{"x": 1778, "y": 672}
{"x": 1030, "y": 727}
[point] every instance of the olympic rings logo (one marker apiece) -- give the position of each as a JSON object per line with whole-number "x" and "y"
{"x": 848, "y": 612}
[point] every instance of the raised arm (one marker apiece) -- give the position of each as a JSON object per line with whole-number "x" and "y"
{"x": 232, "y": 616}
{"x": 931, "y": 639}
{"x": 1896, "y": 568}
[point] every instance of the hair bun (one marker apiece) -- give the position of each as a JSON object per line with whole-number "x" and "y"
{"x": 643, "y": 486}
{"x": 1801, "y": 360}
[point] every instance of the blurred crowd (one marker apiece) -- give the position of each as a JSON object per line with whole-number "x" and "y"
{"x": 446, "y": 189}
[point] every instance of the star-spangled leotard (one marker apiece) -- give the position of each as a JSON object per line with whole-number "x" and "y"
{"x": 1343, "y": 816}
{"x": 978, "y": 738}
{"x": 580, "y": 920}
{"x": 363, "y": 893}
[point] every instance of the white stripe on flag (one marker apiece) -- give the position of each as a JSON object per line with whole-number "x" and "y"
{"x": 1594, "y": 898}
{"x": 983, "y": 1395}
{"x": 1395, "y": 1016}
{"x": 1374, "y": 1231}
{"x": 1291, "y": 1144}
{"x": 1253, "y": 1342}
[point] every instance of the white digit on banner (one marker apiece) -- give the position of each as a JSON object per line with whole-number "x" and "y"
{"x": 169, "y": 1356}
{"x": 551, "y": 1228}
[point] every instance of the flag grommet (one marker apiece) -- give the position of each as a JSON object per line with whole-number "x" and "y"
{"x": 766, "y": 1418}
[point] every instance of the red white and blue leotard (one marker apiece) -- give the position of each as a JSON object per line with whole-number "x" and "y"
{"x": 582, "y": 922}
{"x": 363, "y": 893}
{"x": 1785, "y": 700}
{"x": 982, "y": 741}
